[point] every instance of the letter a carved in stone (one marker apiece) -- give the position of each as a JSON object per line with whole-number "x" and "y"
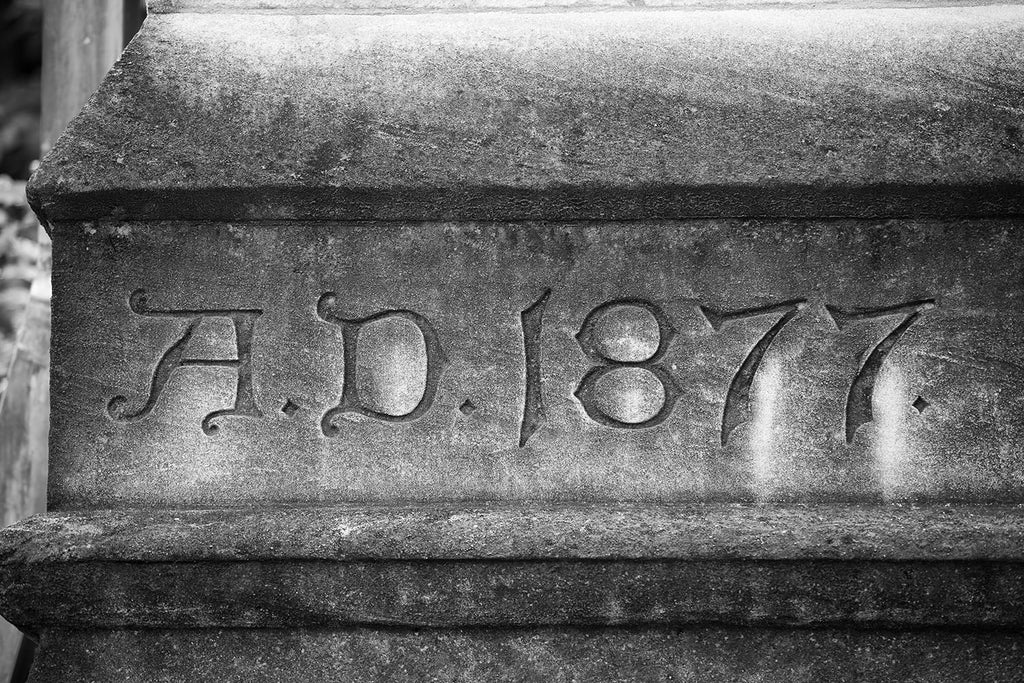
{"x": 123, "y": 409}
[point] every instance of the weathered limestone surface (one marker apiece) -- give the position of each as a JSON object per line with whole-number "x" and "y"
{"x": 715, "y": 655}
{"x": 652, "y": 431}
{"x": 561, "y": 343}
{"x": 498, "y": 566}
{"x": 550, "y": 115}
{"x": 537, "y": 532}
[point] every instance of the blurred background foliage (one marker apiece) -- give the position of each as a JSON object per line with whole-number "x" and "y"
{"x": 21, "y": 28}
{"x": 23, "y": 247}
{"x": 24, "y": 268}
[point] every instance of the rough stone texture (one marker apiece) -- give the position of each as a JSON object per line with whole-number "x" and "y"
{"x": 553, "y": 115}
{"x": 796, "y": 433}
{"x": 513, "y": 593}
{"x": 515, "y": 280}
{"x": 515, "y": 532}
{"x": 707, "y": 655}
{"x": 499, "y": 593}
{"x": 499, "y": 566}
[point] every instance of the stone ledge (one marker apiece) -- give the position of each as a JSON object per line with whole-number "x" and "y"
{"x": 492, "y": 566}
{"x": 504, "y": 532}
{"x": 499, "y": 593}
{"x": 498, "y": 115}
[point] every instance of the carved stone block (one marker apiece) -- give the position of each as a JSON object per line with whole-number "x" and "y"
{"x": 488, "y": 340}
{"x": 683, "y": 361}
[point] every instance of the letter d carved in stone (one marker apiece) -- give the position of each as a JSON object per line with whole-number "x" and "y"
{"x": 120, "y": 408}
{"x": 351, "y": 399}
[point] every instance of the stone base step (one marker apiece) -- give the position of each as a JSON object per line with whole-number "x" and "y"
{"x": 705, "y": 655}
{"x": 503, "y": 566}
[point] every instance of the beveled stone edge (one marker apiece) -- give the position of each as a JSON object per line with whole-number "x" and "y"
{"x": 78, "y": 179}
{"x": 418, "y": 6}
{"x": 503, "y": 594}
{"x": 521, "y": 531}
{"x": 517, "y": 565}
{"x": 513, "y": 204}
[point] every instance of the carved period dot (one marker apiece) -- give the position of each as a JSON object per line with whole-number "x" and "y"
{"x": 468, "y": 407}
{"x": 290, "y": 407}
{"x": 920, "y": 404}
{"x": 391, "y": 365}
{"x": 626, "y": 334}
{"x": 629, "y": 395}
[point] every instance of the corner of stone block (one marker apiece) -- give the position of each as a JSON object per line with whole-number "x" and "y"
{"x": 40, "y": 190}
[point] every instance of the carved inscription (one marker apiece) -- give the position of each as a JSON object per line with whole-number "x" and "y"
{"x": 120, "y": 408}
{"x": 606, "y": 363}
{"x": 737, "y": 401}
{"x": 532, "y": 320}
{"x": 858, "y": 401}
{"x": 626, "y": 340}
{"x": 351, "y": 402}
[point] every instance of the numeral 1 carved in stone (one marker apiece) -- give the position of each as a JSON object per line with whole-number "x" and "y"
{"x": 737, "y": 401}
{"x": 244, "y": 320}
{"x": 532, "y": 320}
{"x": 858, "y": 401}
{"x": 590, "y": 344}
{"x": 350, "y": 400}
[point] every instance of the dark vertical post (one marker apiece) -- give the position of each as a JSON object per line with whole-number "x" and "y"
{"x": 134, "y": 14}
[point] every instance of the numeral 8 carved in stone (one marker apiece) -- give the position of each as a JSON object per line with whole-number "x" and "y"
{"x": 592, "y": 346}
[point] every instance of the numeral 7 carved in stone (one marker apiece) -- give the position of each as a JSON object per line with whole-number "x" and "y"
{"x": 737, "y": 401}
{"x": 858, "y": 401}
